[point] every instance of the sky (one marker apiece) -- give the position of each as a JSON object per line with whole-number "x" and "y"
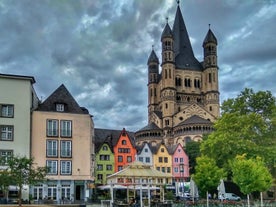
{"x": 99, "y": 48}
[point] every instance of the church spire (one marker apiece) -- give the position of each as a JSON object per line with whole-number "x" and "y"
{"x": 184, "y": 55}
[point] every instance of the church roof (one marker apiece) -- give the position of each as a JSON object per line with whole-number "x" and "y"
{"x": 62, "y": 96}
{"x": 150, "y": 126}
{"x": 195, "y": 120}
{"x": 153, "y": 57}
{"x": 167, "y": 32}
{"x": 184, "y": 55}
{"x": 210, "y": 37}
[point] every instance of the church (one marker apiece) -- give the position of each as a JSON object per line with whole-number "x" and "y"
{"x": 183, "y": 92}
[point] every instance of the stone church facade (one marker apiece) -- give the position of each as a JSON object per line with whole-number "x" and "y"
{"x": 183, "y": 93}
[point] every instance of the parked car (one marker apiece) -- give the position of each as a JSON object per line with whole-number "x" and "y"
{"x": 229, "y": 196}
{"x": 185, "y": 196}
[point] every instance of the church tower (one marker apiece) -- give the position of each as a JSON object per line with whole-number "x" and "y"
{"x": 183, "y": 99}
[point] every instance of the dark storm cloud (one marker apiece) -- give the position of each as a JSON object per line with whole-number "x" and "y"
{"x": 99, "y": 49}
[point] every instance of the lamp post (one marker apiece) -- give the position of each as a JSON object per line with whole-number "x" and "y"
{"x": 181, "y": 170}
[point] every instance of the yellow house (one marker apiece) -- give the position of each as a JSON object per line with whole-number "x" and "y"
{"x": 162, "y": 160}
{"x": 62, "y": 137}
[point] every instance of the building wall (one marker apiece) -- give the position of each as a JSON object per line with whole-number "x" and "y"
{"x": 162, "y": 160}
{"x": 81, "y": 142}
{"x": 18, "y": 92}
{"x": 106, "y": 152}
{"x": 180, "y": 161}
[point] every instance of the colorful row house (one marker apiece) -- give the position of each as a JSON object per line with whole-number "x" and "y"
{"x": 116, "y": 149}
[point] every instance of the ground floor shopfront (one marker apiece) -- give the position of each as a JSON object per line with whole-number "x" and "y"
{"x": 61, "y": 191}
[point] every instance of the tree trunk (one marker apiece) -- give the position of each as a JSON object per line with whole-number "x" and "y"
{"x": 248, "y": 202}
{"x": 207, "y": 195}
{"x": 20, "y": 196}
{"x": 262, "y": 202}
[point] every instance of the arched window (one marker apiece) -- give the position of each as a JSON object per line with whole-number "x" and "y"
{"x": 124, "y": 142}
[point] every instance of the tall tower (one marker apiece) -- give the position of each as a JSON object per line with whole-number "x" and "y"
{"x": 184, "y": 98}
{"x": 153, "y": 78}
{"x": 167, "y": 90}
{"x": 211, "y": 73}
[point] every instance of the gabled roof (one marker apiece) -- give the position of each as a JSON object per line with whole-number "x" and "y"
{"x": 62, "y": 96}
{"x": 184, "y": 55}
{"x": 195, "y": 120}
{"x": 110, "y": 136}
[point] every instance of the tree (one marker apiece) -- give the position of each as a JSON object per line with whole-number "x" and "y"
{"x": 207, "y": 175}
{"x": 250, "y": 175}
{"x": 23, "y": 172}
{"x": 192, "y": 149}
{"x": 5, "y": 181}
{"x": 247, "y": 125}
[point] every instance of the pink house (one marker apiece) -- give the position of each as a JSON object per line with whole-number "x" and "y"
{"x": 180, "y": 164}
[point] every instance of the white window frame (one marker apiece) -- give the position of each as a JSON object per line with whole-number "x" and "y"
{"x": 60, "y": 107}
{"x": 5, "y": 155}
{"x": 52, "y": 148}
{"x": 66, "y": 128}
{"x": 52, "y": 192}
{"x": 52, "y": 166}
{"x": 65, "y": 148}
{"x": 52, "y": 128}
{"x": 7, "y": 110}
{"x": 6, "y": 132}
{"x": 65, "y": 167}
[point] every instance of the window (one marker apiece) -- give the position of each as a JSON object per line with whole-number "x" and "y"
{"x": 99, "y": 167}
{"x": 141, "y": 159}
{"x": 124, "y": 142}
{"x": 60, "y": 107}
{"x": 120, "y": 168}
{"x": 104, "y": 157}
{"x": 146, "y": 150}
{"x": 65, "y": 128}
{"x": 52, "y": 128}
{"x": 65, "y": 191}
{"x": 181, "y": 159}
{"x": 129, "y": 159}
{"x": 163, "y": 169}
{"x": 5, "y": 155}
{"x": 52, "y": 148}
{"x": 52, "y": 192}
{"x": 176, "y": 169}
{"x": 165, "y": 159}
{"x": 6, "y": 110}
{"x": 52, "y": 167}
{"x": 6, "y": 133}
{"x": 147, "y": 159}
{"x": 38, "y": 189}
{"x": 66, "y": 149}
{"x": 105, "y": 148}
{"x": 168, "y": 170}
{"x": 160, "y": 159}
{"x": 100, "y": 176}
{"x": 175, "y": 159}
{"x": 120, "y": 159}
{"x": 65, "y": 167}
{"x": 109, "y": 167}
{"x": 162, "y": 150}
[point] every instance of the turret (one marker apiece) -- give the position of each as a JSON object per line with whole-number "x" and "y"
{"x": 211, "y": 73}
{"x": 153, "y": 74}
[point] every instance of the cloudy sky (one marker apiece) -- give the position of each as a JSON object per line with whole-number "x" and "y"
{"x": 99, "y": 48}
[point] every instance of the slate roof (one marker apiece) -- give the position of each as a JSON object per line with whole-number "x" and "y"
{"x": 184, "y": 55}
{"x": 62, "y": 96}
{"x": 153, "y": 58}
{"x": 195, "y": 120}
{"x": 150, "y": 126}
{"x": 210, "y": 37}
{"x": 167, "y": 32}
{"x": 109, "y": 136}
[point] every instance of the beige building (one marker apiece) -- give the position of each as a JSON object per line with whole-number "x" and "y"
{"x": 62, "y": 139}
{"x": 17, "y": 100}
{"x": 183, "y": 97}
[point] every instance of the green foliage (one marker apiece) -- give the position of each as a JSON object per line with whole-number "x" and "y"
{"x": 193, "y": 151}
{"x": 250, "y": 174}
{"x": 22, "y": 170}
{"x": 208, "y": 175}
{"x": 247, "y": 125}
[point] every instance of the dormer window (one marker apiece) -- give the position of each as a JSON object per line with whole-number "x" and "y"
{"x": 60, "y": 107}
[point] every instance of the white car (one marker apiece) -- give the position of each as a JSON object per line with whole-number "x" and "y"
{"x": 229, "y": 196}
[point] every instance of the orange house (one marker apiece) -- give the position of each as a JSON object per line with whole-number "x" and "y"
{"x": 124, "y": 151}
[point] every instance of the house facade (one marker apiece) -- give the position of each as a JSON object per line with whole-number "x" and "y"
{"x": 17, "y": 101}
{"x": 62, "y": 140}
{"x": 124, "y": 151}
